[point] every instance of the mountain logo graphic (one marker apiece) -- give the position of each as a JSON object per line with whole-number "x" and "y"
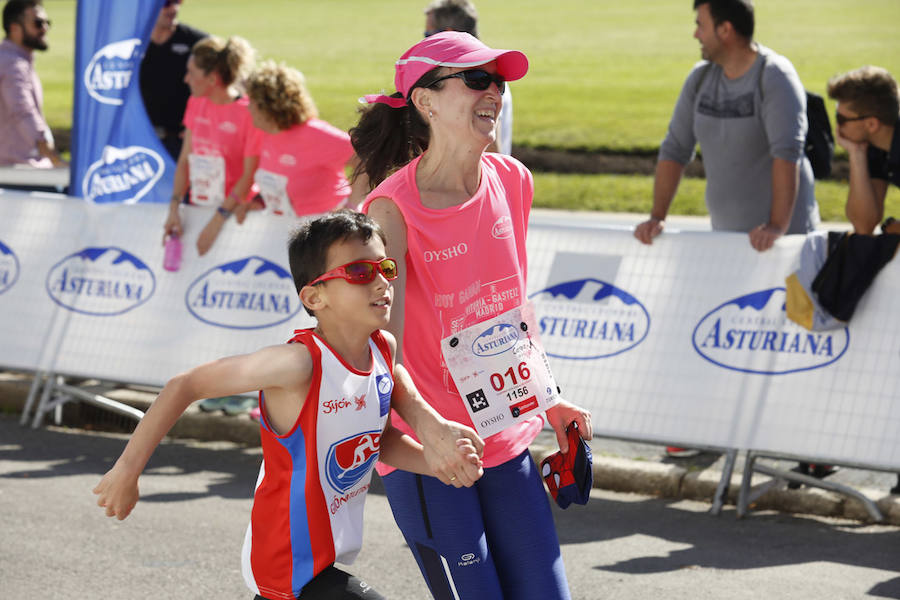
{"x": 586, "y": 319}
{"x": 108, "y": 74}
{"x": 752, "y": 334}
{"x": 100, "y": 281}
{"x": 249, "y": 293}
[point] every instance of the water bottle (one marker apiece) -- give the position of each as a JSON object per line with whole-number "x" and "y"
{"x": 172, "y": 258}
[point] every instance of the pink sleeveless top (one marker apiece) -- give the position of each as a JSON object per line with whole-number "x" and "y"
{"x": 465, "y": 264}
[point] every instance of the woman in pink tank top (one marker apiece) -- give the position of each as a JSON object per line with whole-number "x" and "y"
{"x": 456, "y": 220}
{"x": 221, "y": 145}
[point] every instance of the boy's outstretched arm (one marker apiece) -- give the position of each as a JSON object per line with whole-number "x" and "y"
{"x": 439, "y": 436}
{"x": 287, "y": 366}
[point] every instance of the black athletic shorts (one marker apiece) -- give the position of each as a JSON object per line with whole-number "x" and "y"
{"x": 334, "y": 584}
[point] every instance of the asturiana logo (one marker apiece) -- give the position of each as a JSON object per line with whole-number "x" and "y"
{"x": 348, "y": 461}
{"x": 122, "y": 175}
{"x": 250, "y": 293}
{"x": 752, "y": 334}
{"x": 9, "y": 267}
{"x": 589, "y": 318}
{"x": 100, "y": 281}
{"x": 496, "y": 339}
{"x": 109, "y": 73}
{"x": 502, "y": 228}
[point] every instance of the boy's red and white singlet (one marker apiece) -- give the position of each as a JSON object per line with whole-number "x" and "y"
{"x": 308, "y": 505}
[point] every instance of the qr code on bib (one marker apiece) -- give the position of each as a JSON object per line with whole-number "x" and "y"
{"x": 477, "y": 400}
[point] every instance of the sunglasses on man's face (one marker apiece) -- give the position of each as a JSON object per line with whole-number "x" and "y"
{"x": 477, "y": 79}
{"x": 40, "y": 23}
{"x": 841, "y": 119}
{"x": 361, "y": 271}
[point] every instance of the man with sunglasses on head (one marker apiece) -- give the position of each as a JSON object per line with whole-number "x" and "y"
{"x": 25, "y": 137}
{"x": 163, "y": 88}
{"x": 460, "y": 15}
{"x": 746, "y": 107}
{"x": 868, "y": 127}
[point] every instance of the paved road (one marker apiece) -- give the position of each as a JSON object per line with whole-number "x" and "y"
{"x": 184, "y": 538}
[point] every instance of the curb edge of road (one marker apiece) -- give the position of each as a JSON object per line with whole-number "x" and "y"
{"x": 674, "y": 482}
{"x": 610, "y": 473}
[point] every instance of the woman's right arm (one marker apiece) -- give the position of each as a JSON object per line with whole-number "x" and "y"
{"x": 179, "y": 188}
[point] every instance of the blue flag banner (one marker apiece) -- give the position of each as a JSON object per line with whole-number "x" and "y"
{"x": 116, "y": 155}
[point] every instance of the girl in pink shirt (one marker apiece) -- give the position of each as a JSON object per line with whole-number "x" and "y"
{"x": 302, "y": 158}
{"x": 455, "y": 219}
{"x": 221, "y": 145}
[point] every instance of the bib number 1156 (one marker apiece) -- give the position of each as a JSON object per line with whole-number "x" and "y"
{"x": 501, "y": 371}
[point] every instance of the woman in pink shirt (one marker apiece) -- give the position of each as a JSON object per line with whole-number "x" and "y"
{"x": 221, "y": 145}
{"x": 302, "y": 158}
{"x": 456, "y": 219}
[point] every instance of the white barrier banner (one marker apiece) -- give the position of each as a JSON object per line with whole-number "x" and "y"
{"x": 85, "y": 292}
{"x": 685, "y": 341}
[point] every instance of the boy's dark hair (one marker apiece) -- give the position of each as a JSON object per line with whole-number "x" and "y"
{"x": 13, "y": 11}
{"x": 309, "y": 245}
{"x": 455, "y": 15}
{"x": 738, "y": 12}
{"x": 869, "y": 91}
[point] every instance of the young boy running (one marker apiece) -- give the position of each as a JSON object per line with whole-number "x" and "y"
{"x": 325, "y": 398}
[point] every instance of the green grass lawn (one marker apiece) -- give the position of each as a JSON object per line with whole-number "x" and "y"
{"x": 634, "y": 193}
{"x": 604, "y": 74}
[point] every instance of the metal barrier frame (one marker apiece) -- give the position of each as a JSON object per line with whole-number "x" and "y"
{"x": 749, "y": 493}
{"x": 55, "y": 392}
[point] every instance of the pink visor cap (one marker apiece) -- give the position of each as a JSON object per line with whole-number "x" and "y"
{"x": 448, "y": 49}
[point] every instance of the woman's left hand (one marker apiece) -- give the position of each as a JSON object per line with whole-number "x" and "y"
{"x": 563, "y": 413}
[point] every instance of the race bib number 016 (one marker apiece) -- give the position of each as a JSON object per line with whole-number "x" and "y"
{"x": 501, "y": 371}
